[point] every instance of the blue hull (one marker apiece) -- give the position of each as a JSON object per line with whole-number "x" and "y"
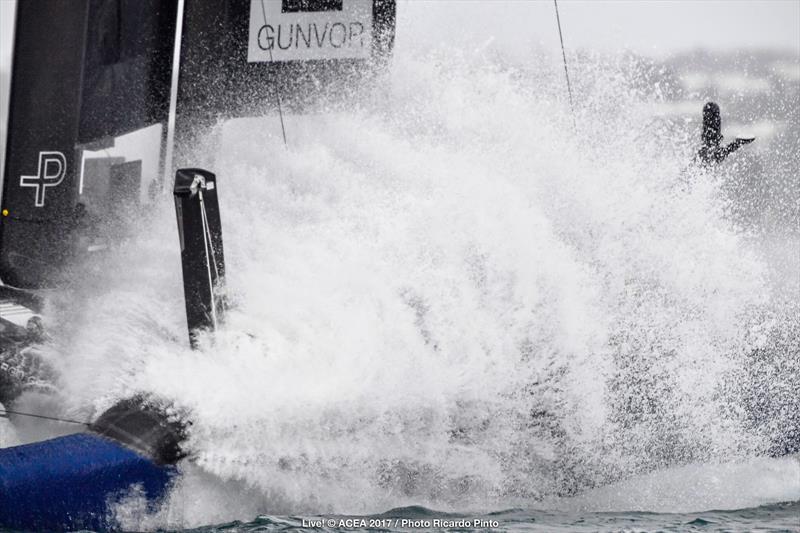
{"x": 67, "y": 483}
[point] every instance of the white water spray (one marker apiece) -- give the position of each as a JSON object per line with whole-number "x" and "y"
{"x": 444, "y": 299}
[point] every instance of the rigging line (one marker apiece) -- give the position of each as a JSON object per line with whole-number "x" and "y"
{"x": 209, "y": 257}
{"x": 4, "y": 412}
{"x": 276, "y": 84}
{"x": 566, "y": 71}
{"x": 207, "y": 230}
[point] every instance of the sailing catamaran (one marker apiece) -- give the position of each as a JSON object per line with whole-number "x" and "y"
{"x": 86, "y": 76}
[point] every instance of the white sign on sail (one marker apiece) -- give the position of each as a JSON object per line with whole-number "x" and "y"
{"x": 299, "y": 30}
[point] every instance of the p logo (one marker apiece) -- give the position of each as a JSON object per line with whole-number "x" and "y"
{"x": 52, "y": 169}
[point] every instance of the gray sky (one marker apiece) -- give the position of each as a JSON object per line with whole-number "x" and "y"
{"x": 6, "y": 31}
{"x": 651, "y": 27}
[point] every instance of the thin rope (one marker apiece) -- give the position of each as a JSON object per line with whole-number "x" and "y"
{"x": 566, "y": 70}
{"x": 4, "y": 412}
{"x": 207, "y": 230}
{"x": 209, "y": 255}
{"x": 275, "y": 84}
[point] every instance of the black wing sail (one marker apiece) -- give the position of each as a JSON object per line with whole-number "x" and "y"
{"x": 84, "y": 72}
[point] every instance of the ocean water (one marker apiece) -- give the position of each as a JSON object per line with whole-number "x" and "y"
{"x": 454, "y": 298}
{"x": 776, "y": 518}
